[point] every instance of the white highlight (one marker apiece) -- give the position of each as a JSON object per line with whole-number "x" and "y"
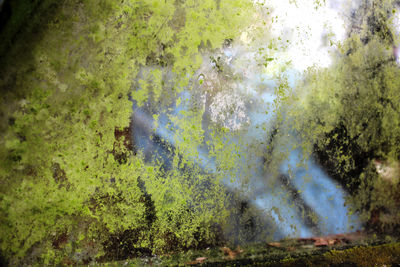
{"x": 312, "y": 32}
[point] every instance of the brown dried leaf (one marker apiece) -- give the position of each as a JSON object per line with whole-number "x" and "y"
{"x": 274, "y": 244}
{"x": 201, "y": 259}
{"x": 198, "y": 260}
{"x": 320, "y": 242}
{"x": 239, "y": 250}
{"x": 228, "y": 252}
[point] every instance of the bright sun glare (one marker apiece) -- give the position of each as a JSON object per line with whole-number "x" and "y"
{"x": 312, "y": 30}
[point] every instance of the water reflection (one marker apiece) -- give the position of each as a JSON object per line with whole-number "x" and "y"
{"x": 297, "y": 197}
{"x": 303, "y": 202}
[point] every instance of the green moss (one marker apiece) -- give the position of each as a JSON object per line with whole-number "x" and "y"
{"x": 348, "y": 115}
{"x": 291, "y": 253}
{"x": 366, "y": 256}
{"x": 72, "y": 190}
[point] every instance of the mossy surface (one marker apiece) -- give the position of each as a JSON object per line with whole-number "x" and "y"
{"x": 289, "y": 254}
{"x": 74, "y": 190}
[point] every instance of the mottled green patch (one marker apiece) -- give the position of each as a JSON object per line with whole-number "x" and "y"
{"x": 72, "y": 190}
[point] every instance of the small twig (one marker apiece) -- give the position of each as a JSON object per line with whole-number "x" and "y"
{"x": 162, "y": 25}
